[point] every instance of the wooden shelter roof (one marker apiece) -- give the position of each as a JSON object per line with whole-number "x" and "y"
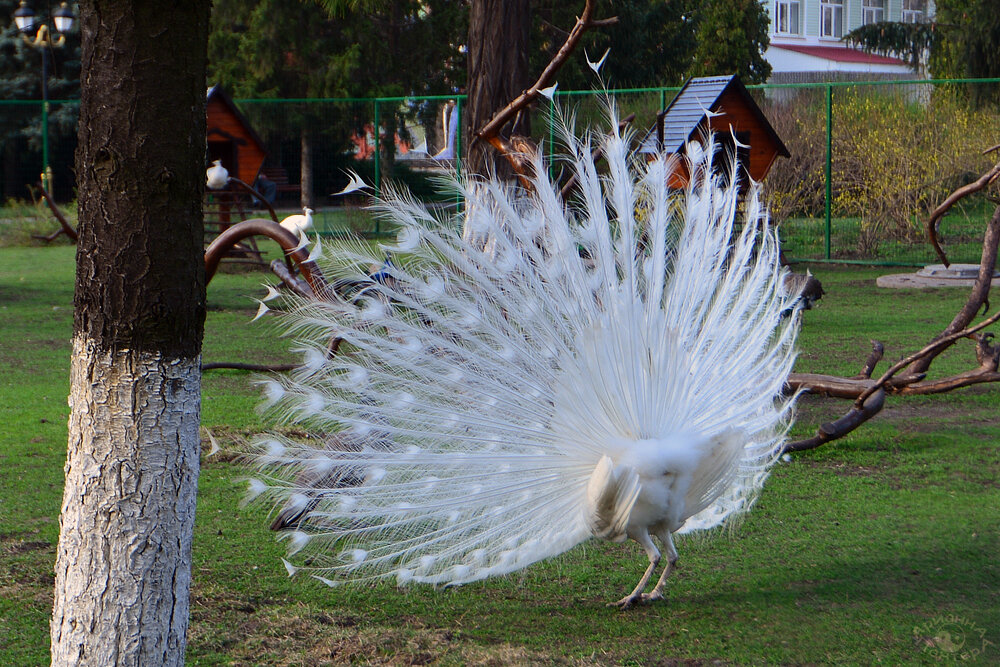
{"x": 696, "y": 100}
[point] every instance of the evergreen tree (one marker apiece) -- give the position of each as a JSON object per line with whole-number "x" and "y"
{"x": 969, "y": 43}
{"x": 21, "y": 79}
{"x": 732, "y": 37}
{"x": 962, "y": 42}
{"x": 285, "y": 49}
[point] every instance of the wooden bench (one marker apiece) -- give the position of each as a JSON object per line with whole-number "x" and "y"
{"x": 279, "y": 177}
{"x": 223, "y": 208}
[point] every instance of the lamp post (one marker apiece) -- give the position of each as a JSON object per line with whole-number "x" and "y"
{"x": 62, "y": 20}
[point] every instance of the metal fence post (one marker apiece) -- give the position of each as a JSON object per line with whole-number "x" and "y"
{"x": 552, "y": 138}
{"x": 829, "y": 163}
{"x": 378, "y": 165}
{"x": 458, "y": 149}
{"x": 458, "y": 136}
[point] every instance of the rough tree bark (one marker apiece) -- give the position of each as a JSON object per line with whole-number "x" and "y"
{"x": 123, "y": 566}
{"x": 498, "y": 72}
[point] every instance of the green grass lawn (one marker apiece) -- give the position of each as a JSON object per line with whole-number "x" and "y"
{"x": 857, "y": 553}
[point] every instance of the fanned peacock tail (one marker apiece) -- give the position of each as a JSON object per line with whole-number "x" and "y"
{"x": 505, "y": 350}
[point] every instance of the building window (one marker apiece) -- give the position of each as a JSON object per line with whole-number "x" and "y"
{"x": 873, "y": 11}
{"x": 914, "y": 11}
{"x": 831, "y": 18}
{"x": 787, "y": 14}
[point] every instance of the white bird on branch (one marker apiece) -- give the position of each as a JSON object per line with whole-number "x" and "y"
{"x": 216, "y": 176}
{"x": 299, "y": 222}
{"x": 609, "y": 367}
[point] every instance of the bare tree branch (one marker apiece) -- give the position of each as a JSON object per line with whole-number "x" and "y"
{"x": 979, "y": 295}
{"x": 878, "y": 349}
{"x": 256, "y": 195}
{"x": 932, "y": 223}
{"x": 854, "y": 418}
{"x": 932, "y": 348}
{"x": 287, "y": 240}
{"x": 490, "y": 132}
{"x": 64, "y": 226}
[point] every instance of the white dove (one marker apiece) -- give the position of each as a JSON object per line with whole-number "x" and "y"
{"x": 299, "y": 222}
{"x": 216, "y": 176}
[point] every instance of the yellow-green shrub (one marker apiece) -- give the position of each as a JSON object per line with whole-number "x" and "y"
{"x": 896, "y": 158}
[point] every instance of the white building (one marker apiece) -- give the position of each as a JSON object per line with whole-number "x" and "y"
{"x": 806, "y": 38}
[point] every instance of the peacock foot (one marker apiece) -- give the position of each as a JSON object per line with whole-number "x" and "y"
{"x": 626, "y": 601}
{"x": 629, "y": 600}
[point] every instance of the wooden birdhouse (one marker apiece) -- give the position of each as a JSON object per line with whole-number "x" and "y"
{"x": 722, "y": 106}
{"x": 231, "y": 138}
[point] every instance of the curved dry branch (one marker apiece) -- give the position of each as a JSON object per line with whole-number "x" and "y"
{"x": 854, "y": 418}
{"x": 256, "y": 195}
{"x": 287, "y": 240}
{"x": 979, "y": 295}
{"x": 932, "y": 223}
{"x": 878, "y": 349}
{"x": 64, "y": 226}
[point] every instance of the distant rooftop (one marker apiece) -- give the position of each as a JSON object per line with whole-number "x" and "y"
{"x": 840, "y": 54}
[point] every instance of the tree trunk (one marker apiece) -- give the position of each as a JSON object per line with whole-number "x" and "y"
{"x": 498, "y": 72}
{"x": 306, "y": 169}
{"x": 123, "y": 565}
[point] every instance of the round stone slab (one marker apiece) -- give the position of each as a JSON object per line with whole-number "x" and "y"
{"x": 955, "y": 271}
{"x": 936, "y": 275}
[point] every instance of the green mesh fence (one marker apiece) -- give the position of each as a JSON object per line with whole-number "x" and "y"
{"x": 869, "y": 160}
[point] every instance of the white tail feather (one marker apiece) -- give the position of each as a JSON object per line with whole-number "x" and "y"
{"x": 469, "y": 424}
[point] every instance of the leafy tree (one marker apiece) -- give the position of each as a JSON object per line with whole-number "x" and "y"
{"x": 270, "y": 49}
{"x": 962, "y": 42}
{"x": 651, "y": 45}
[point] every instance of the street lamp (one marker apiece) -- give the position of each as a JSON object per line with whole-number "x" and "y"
{"x": 62, "y": 20}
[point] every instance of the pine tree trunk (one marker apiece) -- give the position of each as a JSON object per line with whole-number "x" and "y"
{"x": 306, "y": 169}
{"x": 123, "y": 565}
{"x": 498, "y": 72}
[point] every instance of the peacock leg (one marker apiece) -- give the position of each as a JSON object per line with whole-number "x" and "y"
{"x": 654, "y": 558}
{"x": 668, "y": 544}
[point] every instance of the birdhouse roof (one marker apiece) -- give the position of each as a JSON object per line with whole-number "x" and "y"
{"x": 217, "y": 92}
{"x": 243, "y": 151}
{"x": 698, "y": 98}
